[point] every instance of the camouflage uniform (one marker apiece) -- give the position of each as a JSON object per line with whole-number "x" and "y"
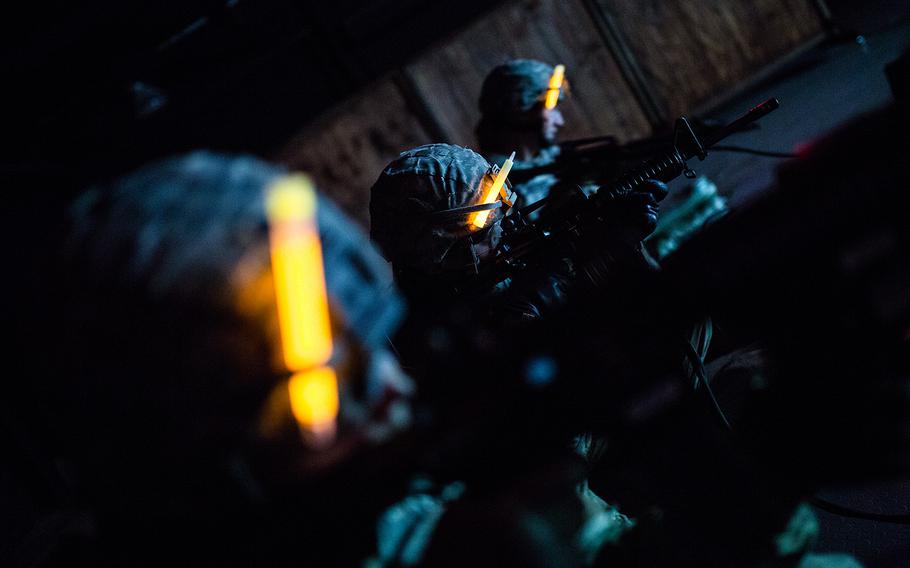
{"x": 431, "y": 256}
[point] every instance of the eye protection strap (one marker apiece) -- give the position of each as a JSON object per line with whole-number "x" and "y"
{"x": 456, "y": 212}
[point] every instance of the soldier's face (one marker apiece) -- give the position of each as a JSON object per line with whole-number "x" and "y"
{"x": 552, "y": 122}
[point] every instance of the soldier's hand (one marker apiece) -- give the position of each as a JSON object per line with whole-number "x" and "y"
{"x": 633, "y": 216}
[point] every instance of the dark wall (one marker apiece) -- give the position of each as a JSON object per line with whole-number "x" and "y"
{"x": 339, "y": 88}
{"x": 632, "y": 67}
{"x": 94, "y": 88}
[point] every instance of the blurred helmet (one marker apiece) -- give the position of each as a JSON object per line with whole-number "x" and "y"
{"x": 171, "y": 365}
{"x": 512, "y": 90}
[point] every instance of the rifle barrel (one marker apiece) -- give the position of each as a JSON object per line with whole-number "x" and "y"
{"x": 754, "y": 114}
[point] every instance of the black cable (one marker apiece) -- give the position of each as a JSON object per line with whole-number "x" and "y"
{"x": 842, "y": 511}
{"x": 701, "y": 340}
{"x": 707, "y": 334}
{"x": 699, "y": 369}
{"x": 744, "y": 150}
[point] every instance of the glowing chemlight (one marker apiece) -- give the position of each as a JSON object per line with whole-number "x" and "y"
{"x": 480, "y": 218}
{"x": 314, "y": 399}
{"x": 303, "y": 309}
{"x": 556, "y": 79}
{"x": 303, "y": 313}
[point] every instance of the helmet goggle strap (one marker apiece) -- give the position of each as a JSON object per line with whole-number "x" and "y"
{"x": 459, "y": 214}
{"x": 462, "y": 215}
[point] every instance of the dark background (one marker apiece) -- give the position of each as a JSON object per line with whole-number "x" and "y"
{"x": 339, "y": 88}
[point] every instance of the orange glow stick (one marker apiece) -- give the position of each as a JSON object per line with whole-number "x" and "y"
{"x": 314, "y": 400}
{"x": 303, "y": 310}
{"x": 479, "y": 218}
{"x": 556, "y": 79}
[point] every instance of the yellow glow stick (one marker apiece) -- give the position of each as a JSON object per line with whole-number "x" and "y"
{"x": 303, "y": 310}
{"x": 314, "y": 400}
{"x": 480, "y": 218}
{"x": 556, "y": 79}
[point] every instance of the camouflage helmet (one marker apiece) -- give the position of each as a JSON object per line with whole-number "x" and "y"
{"x": 513, "y": 89}
{"x": 420, "y": 207}
{"x": 170, "y": 331}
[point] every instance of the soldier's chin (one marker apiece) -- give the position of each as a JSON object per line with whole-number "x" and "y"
{"x": 547, "y": 139}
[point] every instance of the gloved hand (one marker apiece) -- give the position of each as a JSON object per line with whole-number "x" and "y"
{"x": 632, "y": 217}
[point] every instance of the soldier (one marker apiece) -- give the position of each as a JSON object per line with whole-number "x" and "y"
{"x": 421, "y": 209}
{"x": 516, "y": 116}
{"x": 519, "y": 105}
{"x": 177, "y": 396}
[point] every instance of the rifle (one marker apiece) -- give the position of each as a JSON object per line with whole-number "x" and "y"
{"x": 601, "y": 159}
{"x": 567, "y": 220}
